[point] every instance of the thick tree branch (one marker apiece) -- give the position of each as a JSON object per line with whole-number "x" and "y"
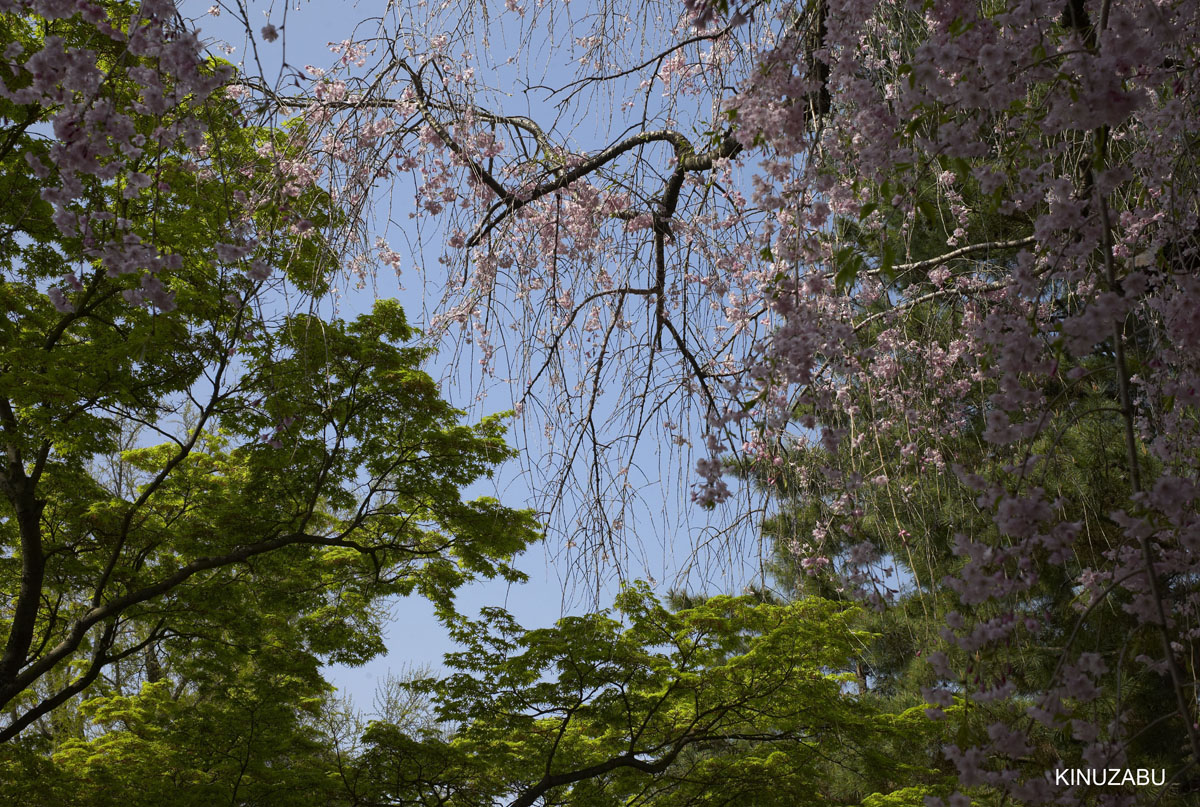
{"x": 630, "y": 760}
{"x": 20, "y": 490}
{"x": 99, "y": 660}
{"x": 14, "y": 684}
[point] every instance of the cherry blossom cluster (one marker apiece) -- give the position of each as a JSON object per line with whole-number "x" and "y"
{"x": 121, "y": 102}
{"x": 1074, "y": 126}
{"x": 98, "y": 140}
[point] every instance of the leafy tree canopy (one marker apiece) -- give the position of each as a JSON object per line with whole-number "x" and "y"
{"x": 732, "y": 700}
{"x": 208, "y": 489}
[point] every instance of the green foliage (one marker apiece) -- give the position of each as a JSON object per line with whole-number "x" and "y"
{"x": 246, "y": 742}
{"x": 201, "y": 504}
{"x": 731, "y": 699}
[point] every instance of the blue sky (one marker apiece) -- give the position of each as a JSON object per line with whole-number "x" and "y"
{"x": 413, "y": 635}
